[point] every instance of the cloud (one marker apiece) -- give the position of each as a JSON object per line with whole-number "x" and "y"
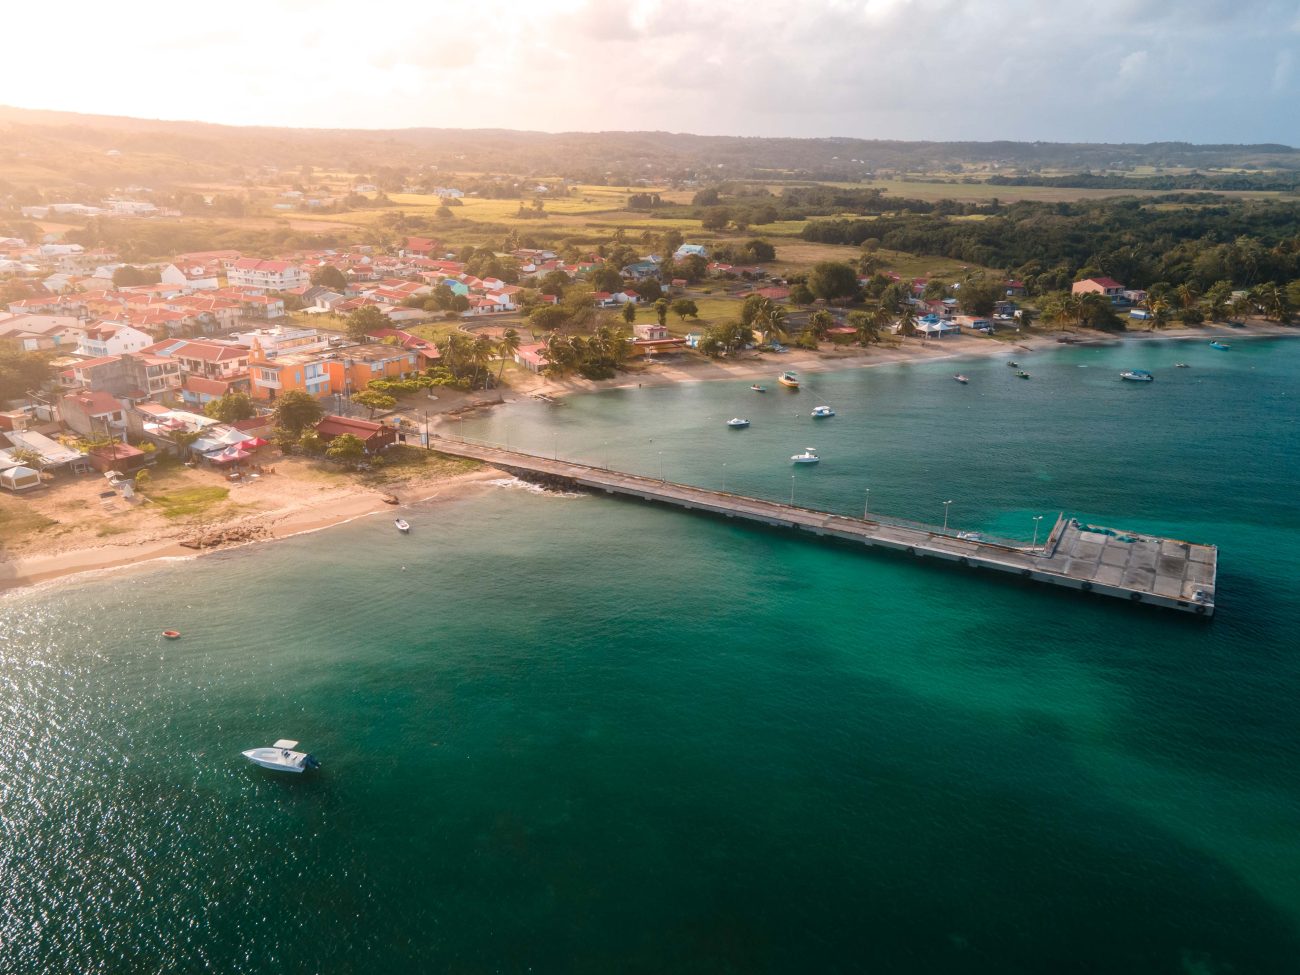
{"x": 1107, "y": 70}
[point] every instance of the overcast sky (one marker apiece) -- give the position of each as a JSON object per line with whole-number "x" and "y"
{"x": 1101, "y": 71}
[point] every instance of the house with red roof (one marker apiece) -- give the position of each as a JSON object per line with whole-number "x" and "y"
{"x": 428, "y": 352}
{"x": 93, "y": 413}
{"x": 375, "y": 436}
{"x": 419, "y": 246}
{"x": 1109, "y": 287}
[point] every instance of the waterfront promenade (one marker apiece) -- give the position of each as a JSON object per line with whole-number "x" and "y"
{"x": 1141, "y": 568}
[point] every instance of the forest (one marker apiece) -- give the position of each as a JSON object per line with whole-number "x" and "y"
{"x": 1049, "y": 245}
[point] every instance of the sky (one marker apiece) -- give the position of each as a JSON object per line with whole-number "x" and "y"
{"x": 1051, "y": 70}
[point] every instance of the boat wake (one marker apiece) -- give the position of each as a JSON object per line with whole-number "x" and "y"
{"x": 518, "y": 484}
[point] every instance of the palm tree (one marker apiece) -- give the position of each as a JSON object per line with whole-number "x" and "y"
{"x": 771, "y": 317}
{"x": 1216, "y": 301}
{"x": 506, "y": 349}
{"x": 480, "y": 354}
{"x": 820, "y": 322}
{"x": 1270, "y": 299}
{"x": 1188, "y": 296}
{"x": 907, "y": 321}
{"x": 1159, "y": 313}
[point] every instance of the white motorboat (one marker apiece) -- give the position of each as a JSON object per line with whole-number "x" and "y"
{"x": 402, "y": 525}
{"x": 281, "y": 757}
{"x": 736, "y": 422}
{"x": 822, "y": 411}
{"x": 809, "y": 456}
{"x": 1137, "y": 376}
{"x": 961, "y": 379}
{"x": 789, "y": 380}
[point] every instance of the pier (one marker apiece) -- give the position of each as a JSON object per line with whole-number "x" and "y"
{"x": 1140, "y": 568}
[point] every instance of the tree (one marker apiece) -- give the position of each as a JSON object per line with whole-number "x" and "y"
{"x": 715, "y": 218}
{"x": 374, "y": 401}
{"x": 629, "y": 312}
{"x": 683, "y": 307}
{"x": 649, "y": 290}
{"x": 547, "y": 318}
{"x": 760, "y": 250}
{"x": 367, "y": 318}
{"x": 28, "y": 457}
{"x": 606, "y": 279}
{"x": 979, "y": 298}
{"x": 231, "y": 407}
{"x": 127, "y": 276}
{"x": 661, "y": 310}
{"x": 934, "y": 288}
{"x": 801, "y": 294}
{"x": 554, "y": 282}
{"x": 832, "y": 280}
{"x": 328, "y": 276}
{"x": 295, "y": 410}
{"x": 346, "y": 447}
{"x": 693, "y": 268}
{"x": 1217, "y": 299}
{"x": 770, "y": 318}
{"x": 507, "y": 347}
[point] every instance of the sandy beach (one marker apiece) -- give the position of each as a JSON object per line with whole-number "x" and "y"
{"x": 74, "y": 533}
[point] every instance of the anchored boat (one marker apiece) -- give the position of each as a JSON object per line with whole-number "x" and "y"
{"x": 1221, "y": 346}
{"x": 401, "y": 525}
{"x": 809, "y": 456}
{"x": 758, "y": 389}
{"x": 788, "y": 380}
{"x": 737, "y": 422}
{"x": 961, "y": 379}
{"x": 1137, "y": 376}
{"x": 822, "y": 411}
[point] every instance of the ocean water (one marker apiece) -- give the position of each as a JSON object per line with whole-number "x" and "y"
{"x": 576, "y": 734}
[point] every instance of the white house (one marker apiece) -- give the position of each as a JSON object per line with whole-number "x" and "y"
{"x": 249, "y": 272}
{"x": 112, "y": 338}
{"x": 196, "y": 277}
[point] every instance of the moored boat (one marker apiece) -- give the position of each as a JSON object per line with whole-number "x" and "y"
{"x": 1221, "y": 346}
{"x": 758, "y": 389}
{"x": 1181, "y": 365}
{"x": 1021, "y": 374}
{"x": 820, "y": 412}
{"x": 809, "y": 456}
{"x": 281, "y": 757}
{"x": 961, "y": 379}
{"x": 737, "y": 422}
{"x": 1013, "y": 363}
{"x": 788, "y": 380}
{"x": 1137, "y": 376}
{"x": 402, "y": 525}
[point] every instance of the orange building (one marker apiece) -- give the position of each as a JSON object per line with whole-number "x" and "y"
{"x": 351, "y": 368}
{"x": 271, "y": 375}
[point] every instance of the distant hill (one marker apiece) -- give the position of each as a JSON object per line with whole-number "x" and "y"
{"x": 40, "y": 148}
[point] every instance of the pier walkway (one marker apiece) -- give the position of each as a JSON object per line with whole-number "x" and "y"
{"x": 1127, "y": 565}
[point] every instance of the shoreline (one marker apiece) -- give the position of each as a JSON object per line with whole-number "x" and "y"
{"x": 767, "y": 365}
{"x": 27, "y": 571}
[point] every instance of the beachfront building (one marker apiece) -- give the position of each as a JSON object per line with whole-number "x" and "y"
{"x": 352, "y": 368}
{"x": 1109, "y": 287}
{"x": 271, "y": 376}
{"x": 375, "y": 436}
{"x": 93, "y": 413}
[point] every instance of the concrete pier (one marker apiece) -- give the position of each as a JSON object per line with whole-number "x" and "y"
{"x": 1107, "y": 562}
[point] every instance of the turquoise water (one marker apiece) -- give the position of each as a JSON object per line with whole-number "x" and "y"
{"x": 574, "y": 734}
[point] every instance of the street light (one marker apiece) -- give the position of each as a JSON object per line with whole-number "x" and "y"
{"x": 724, "y": 477}
{"x": 945, "y": 515}
{"x": 866, "y": 505}
{"x": 662, "y": 475}
{"x": 792, "y": 489}
{"x": 1037, "y": 519}
{"x": 606, "y": 455}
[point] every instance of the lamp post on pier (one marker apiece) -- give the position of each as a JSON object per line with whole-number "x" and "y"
{"x": 1037, "y": 519}
{"x": 724, "y": 477}
{"x": 792, "y": 489}
{"x": 663, "y": 476}
{"x": 945, "y": 515}
{"x": 866, "y": 505}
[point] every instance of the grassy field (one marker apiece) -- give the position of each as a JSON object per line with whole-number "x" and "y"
{"x": 980, "y": 192}
{"x": 187, "y": 502}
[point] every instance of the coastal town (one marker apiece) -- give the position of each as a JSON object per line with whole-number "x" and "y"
{"x": 218, "y": 370}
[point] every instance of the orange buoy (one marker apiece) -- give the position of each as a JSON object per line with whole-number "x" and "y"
{"x": 172, "y": 634}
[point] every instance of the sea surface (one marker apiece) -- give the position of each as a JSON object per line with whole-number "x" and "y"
{"x": 565, "y": 733}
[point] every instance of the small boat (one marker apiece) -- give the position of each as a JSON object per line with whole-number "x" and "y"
{"x": 809, "y": 456}
{"x": 788, "y": 380}
{"x": 1021, "y": 374}
{"x": 401, "y": 524}
{"x": 172, "y": 634}
{"x": 1137, "y": 376}
{"x": 819, "y": 412}
{"x": 281, "y": 757}
{"x": 1181, "y": 365}
{"x": 1013, "y": 363}
{"x": 1221, "y": 346}
{"x": 758, "y": 389}
{"x": 737, "y": 423}
{"x": 961, "y": 379}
